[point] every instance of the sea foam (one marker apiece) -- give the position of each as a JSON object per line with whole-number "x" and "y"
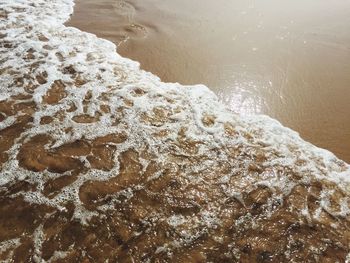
{"x": 75, "y": 113}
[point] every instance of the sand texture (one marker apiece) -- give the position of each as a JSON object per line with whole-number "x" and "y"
{"x": 102, "y": 162}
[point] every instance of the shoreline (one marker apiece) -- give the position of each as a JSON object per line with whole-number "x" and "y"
{"x": 255, "y": 59}
{"x": 101, "y": 160}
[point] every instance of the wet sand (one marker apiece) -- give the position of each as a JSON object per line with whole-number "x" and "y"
{"x": 288, "y": 60}
{"x": 100, "y": 161}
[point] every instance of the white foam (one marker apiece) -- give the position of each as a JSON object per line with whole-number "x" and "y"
{"x": 11, "y": 243}
{"x": 105, "y": 71}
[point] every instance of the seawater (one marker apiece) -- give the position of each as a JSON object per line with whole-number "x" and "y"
{"x": 101, "y": 161}
{"x": 289, "y": 59}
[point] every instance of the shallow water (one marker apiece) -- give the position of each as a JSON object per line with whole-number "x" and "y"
{"x": 290, "y": 60}
{"x": 100, "y": 161}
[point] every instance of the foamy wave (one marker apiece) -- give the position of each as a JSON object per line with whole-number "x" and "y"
{"x": 88, "y": 139}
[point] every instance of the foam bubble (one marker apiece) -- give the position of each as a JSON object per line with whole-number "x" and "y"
{"x": 85, "y": 131}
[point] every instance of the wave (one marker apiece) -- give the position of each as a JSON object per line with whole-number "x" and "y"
{"x": 101, "y": 160}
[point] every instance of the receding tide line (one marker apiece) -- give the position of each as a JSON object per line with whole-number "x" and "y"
{"x": 102, "y": 161}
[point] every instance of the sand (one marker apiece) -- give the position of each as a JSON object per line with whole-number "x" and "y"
{"x": 289, "y": 60}
{"x": 102, "y": 162}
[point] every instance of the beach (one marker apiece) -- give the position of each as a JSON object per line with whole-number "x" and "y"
{"x": 101, "y": 161}
{"x": 289, "y": 60}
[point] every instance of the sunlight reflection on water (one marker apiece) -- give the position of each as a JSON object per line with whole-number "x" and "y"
{"x": 286, "y": 59}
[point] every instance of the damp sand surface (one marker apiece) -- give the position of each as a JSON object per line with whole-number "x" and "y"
{"x": 290, "y": 59}
{"x": 102, "y": 161}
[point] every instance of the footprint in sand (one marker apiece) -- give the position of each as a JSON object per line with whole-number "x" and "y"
{"x": 131, "y": 29}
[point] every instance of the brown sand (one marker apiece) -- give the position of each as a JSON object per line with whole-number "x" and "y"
{"x": 287, "y": 60}
{"x": 201, "y": 202}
